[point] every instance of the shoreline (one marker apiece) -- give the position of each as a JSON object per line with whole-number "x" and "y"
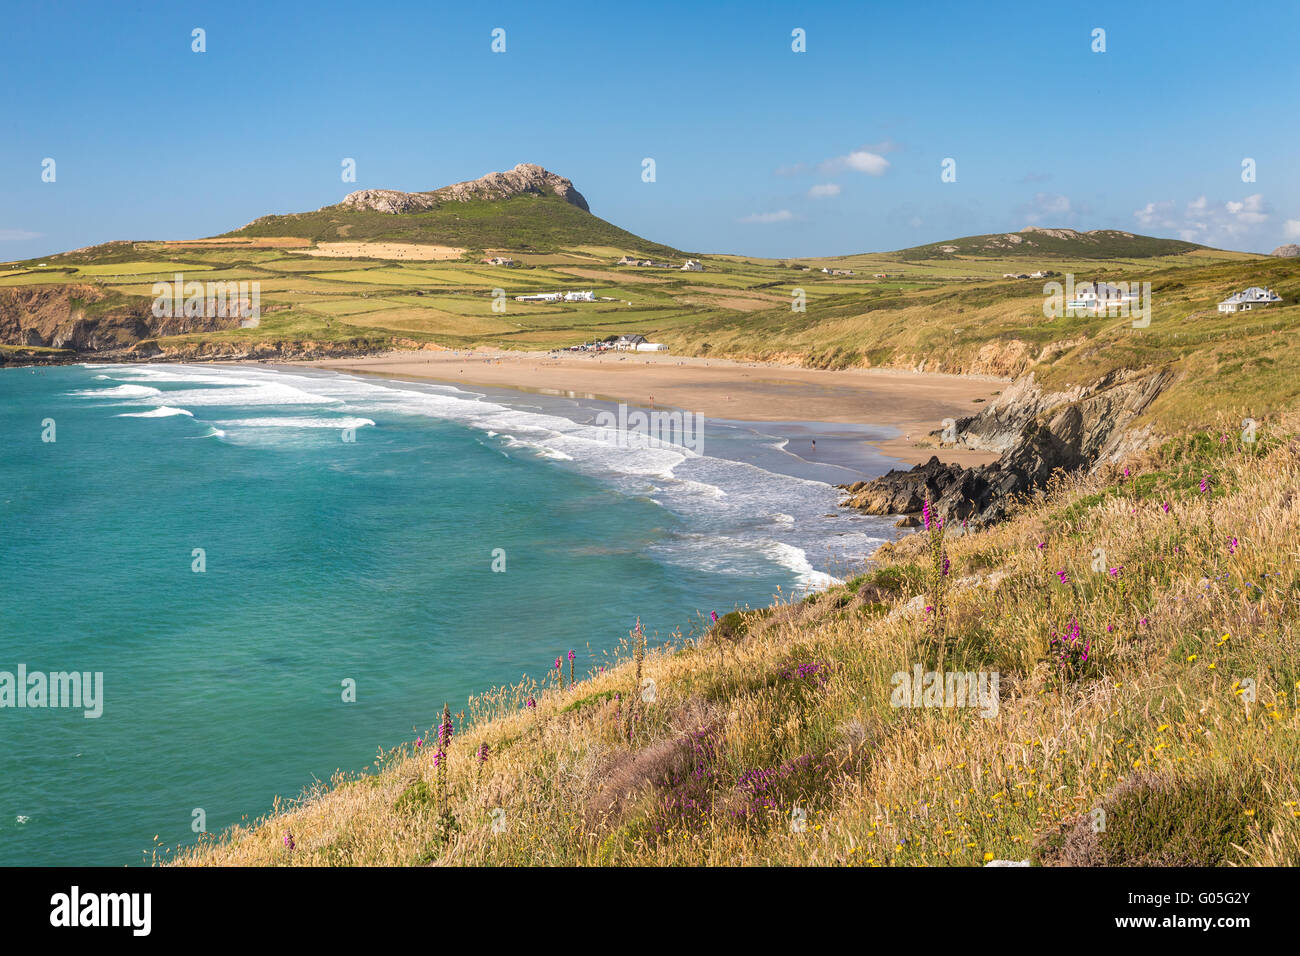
{"x": 910, "y": 403}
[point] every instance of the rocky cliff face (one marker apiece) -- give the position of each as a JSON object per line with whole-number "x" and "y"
{"x": 84, "y": 318}
{"x": 1037, "y": 433}
{"x": 526, "y": 178}
{"x": 1287, "y": 251}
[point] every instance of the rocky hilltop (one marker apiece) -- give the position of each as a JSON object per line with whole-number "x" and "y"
{"x": 526, "y": 178}
{"x": 1287, "y": 251}
{"x": 1037, "y": 432}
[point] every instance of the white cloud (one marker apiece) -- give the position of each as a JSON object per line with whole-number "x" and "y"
{"x": 1054, "y": 209}
{"x": 1291, "y": 229}
{"x": 1156, "y": 214}
{"x": 17, "y": 234}
{"x": 780, "y": 215}
{"x": 824, "y": 191}
{"x": 869, "y": 159}
{"x": 1239, "y": 223}
{"x": 860, "y": 161}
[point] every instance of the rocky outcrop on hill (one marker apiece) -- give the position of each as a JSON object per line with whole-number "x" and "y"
{"x": 1037, "y": 432}
{"x": 390, "y": 201}
{"x": 86, "y": 318}
{"x": 1287, "y": 251}
{"x": 524, "y": 178}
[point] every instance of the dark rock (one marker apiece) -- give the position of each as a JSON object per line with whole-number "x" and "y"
{"x": 1038, "y": 434}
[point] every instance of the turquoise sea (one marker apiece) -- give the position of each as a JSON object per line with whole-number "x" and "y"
{"x": 325, "y": 560}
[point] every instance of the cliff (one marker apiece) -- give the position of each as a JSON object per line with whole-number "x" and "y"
{"x": 1038, "y": 433}
{"x": 86, "y": 318}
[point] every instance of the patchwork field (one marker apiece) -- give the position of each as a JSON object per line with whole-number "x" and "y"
{"x": 952, "y": 313}
{"x": 385, "y": 250}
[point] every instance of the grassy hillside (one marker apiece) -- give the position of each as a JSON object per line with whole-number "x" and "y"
{"x": 1248, "y": 363}
{"x": 1144, "y": 629}
{"x": 950, "y": 315}
{"x": 528, "y": 222}
{"x": 1052, "y": 244}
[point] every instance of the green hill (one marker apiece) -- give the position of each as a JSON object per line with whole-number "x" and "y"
{"x": 1038, "y": 243}
{"x": 527, "y": 208}
{"x": 526, "y": 223}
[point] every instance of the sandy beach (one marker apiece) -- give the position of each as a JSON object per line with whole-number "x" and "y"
{"x": 914, "y": 403}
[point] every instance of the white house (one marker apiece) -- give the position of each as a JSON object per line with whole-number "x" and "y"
{"x": 629, "y": 341}
{"x": 1101, "y": 295}
{"x": 692, "y": 266}
{"x": 651, "y": 347}
{"x": 1252, "y": 298}
{"x": 580, "y": 296}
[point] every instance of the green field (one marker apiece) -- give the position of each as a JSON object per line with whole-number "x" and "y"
{"x": 938, "y": 310}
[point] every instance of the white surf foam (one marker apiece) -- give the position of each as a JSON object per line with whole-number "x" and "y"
{"x": 119, "y": 391}
{"x": 162, "y": 411}
{"x": 299, "y": 421}
{"x": 747, "y": 519}
{"x": 796, "y": 560}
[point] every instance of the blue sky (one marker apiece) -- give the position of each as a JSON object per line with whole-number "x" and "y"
{"x": 758, "y": 150}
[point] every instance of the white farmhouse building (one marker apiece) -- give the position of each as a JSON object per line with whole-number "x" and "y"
{"x": 692, "y": 266}
{"x": 1101, "y": 295}
{"x": 580, "y": 296}
{"x": 1251, "y": 298}
{"x": 628, "y": 341}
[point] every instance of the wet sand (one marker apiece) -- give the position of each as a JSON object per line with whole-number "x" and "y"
{"x": 913, "y": 403}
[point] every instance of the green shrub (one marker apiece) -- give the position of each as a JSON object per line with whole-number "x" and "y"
{"x": 1159, "y": 820}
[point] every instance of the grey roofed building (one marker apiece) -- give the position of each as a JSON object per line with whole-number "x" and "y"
{"x": 1249, "y": 299}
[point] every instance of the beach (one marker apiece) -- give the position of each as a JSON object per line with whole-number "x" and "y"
{"x": 913, "y": 403}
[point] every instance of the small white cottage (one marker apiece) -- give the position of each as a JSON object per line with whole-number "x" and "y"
{"x": 1252, "y": 298}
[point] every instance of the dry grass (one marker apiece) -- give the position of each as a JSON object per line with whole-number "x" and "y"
{"x": 261, "y": 242}
{"x": 386, "y": 250}
{"x": 1183, "y": 720}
